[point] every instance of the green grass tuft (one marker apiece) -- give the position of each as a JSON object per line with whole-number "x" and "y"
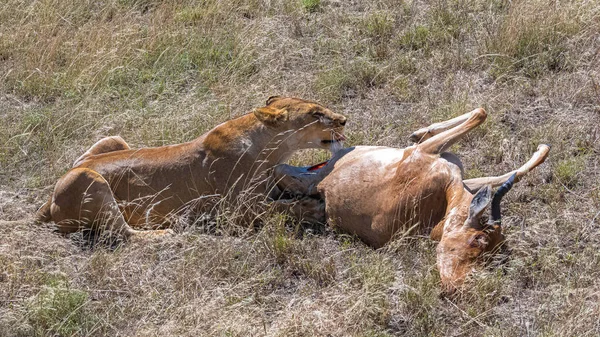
{"x": 568, "y": 171}
{"x": 311, "y": 6}
{"x": 347, "y": 80}
{"x": 59, "y": 310}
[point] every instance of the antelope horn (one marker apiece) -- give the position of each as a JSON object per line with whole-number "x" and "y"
{"x": 496, "y": 217}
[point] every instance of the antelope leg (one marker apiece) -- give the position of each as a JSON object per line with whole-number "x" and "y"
{"x": 441, "y": 142}
{"x": 538, "y": 157}
{"x": 423, "y": 134}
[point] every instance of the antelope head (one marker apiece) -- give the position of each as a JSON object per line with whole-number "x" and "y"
{"x": 466, "y": 240}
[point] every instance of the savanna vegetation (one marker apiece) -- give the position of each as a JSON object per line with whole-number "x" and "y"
{"x": 163, "y": 72}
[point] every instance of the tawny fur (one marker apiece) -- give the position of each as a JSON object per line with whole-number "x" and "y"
{"x": 117, "y": 188}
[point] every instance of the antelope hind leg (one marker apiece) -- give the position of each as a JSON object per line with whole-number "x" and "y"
{"x": 423, "y": 134}
{"x": 442, "y": 141}
{"x": 538, "y": 157}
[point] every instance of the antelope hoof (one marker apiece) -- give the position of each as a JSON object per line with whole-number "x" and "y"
{"x": 419, "y": 135}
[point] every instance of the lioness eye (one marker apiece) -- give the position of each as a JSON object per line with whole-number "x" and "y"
{"x": 318, "y": 114}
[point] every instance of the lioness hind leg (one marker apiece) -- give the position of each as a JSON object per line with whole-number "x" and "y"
{"x": 83, "y": 199}
{"x": 104, "y": 145}
{"x": 107, "y": 144}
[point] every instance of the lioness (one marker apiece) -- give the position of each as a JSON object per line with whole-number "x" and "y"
{"x": 379, "y": 192}
{"x": 113, "y": 187}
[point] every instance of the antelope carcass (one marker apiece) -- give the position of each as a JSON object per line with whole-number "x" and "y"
{"x": 378, "y": 192}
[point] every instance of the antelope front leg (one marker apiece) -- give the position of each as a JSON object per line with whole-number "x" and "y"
{"x": 423, "y": 134}
{"x": 299, "y": 180}
{"x": 441, "y": 142}
{"x": 538, "y": 157}
{"x": 306, "y": 208}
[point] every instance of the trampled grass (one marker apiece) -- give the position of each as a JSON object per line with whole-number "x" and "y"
{"x": 162, "y": 72}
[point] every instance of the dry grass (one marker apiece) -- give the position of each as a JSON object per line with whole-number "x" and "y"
{"x": 161, "y": 72}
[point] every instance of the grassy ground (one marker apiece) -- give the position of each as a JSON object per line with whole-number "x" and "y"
{"x": 162, "y": 72}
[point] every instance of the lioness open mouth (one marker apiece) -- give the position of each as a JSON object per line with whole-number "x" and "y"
{"x": 337, "y": 141}
{"x": 334, "y": 144}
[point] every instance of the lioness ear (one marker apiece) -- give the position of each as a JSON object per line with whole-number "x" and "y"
{"x": 478, "y": 204}
{"x": 272, "y": 99}
{"x": 271, "y": 116}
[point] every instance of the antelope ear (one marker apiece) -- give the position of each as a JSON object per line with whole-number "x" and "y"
{"x": 479, "y": 203}
{"x": 272, "y": 99}
{"x": 271, "y": 116}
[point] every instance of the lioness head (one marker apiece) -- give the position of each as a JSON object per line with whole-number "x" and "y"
{"x": 304, "y": 124}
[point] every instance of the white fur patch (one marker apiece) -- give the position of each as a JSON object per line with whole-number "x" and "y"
{"x": 381, "y": 155}
{"x": 369, "y": 162}
{"x": 449, "y": 219}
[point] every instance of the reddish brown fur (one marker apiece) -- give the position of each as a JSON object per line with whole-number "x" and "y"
{"x": 377, "y": 192}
